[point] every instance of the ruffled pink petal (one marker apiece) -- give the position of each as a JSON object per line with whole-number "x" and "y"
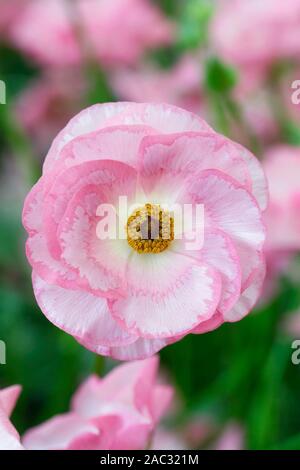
{"x": 171, "y": 308}
{"x": 32, "y": 211}
{"x": 161, "y": 118}
{"x": 102, "y": 263}
{"x": 228, "y": 206}
{"x": 113, "y": 177}
{"x": 120, "y": 143}
{"x": 212, "y": 324}
{"x": 61, "y": 433}
{"x": 232, "y": 209}
{"x": 219, "y": 252}
{"x": 250, "y": 293}
{"x": 90, "y": 119}
{"x": 80, "y": 314}
{"x": 164, "y": 158}
{"x": 258, "y": 177}
{"x": 141, "y": 348}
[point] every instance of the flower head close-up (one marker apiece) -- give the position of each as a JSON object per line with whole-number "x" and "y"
{"x": 129, "y": 296}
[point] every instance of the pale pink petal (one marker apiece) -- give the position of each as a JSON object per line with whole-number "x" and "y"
{"x": 114, "y": 177}
{"x": 119, "y": 143}
{"x": 169, "y": 310}
{"x": 165, "y": 158}
{"x": 161, "y": 400}
{"x": 81, "y": 314}
{"x": 59, "y": 433}
{"x": 9, "y": 397}
{"x": 140, "y": 349}
{"x": 160, "y": 117}
{"x": 102, "y": 263}
{"x": 250, "y": 293}
{"x": 9, "y": 437}
{"x": 127, "y": 387}
{"x": 219, "y": 252}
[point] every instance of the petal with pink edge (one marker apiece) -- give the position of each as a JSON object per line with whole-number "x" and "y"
{"x": 80, "y": 314}
{"x": 101, "y": 262}
{"x": 120, "y": 143}
{"x": 219, "y": 252}
{"x": 165, "y": 157}
{"x": 250, "y": 294}
{"x": 171, "y": 308}
{"x": 161, "y": 118}
{"x": 114, "y": 178}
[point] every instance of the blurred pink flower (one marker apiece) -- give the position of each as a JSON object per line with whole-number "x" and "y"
{"x": 118, "y": 412}
{"x": 116, "y": 32}
{"x": 9, "y": 438}
{"x": 164, "y": 439}
{"x": 9, "y": 12}
{"x": 253, "y": 34}
{"x": 120, "y": 31}
{"x": 113, "y": 297}
{"x": 48, "y": 104}
{"x": 232, "y": 438}
{"x": 282, "y": 167}
{"x": 180, "y": 86}
{"x": 291, "y": 324}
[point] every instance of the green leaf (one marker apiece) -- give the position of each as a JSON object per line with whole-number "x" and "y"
{"x": 220, "y": 77}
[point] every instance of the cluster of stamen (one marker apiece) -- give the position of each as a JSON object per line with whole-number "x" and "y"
{"x": 150, "y": 229}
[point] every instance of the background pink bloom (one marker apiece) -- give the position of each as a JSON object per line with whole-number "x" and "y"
{"x": 282, "y": 166}
{"x": 120, "y": 31}
{"x": 118, "y": 412}
{"x": 180, "y": 86}
{"x": 114, "y": 32}
{"x": 167, "y": 440}
{"x": 48, "y": 103}
{"x": 254, "y": 34}
{"x": 9, "y": 438}
{"x": 9, "y": 12}
{"x": 232, "y": 438}
{"x": 112, "y": 299}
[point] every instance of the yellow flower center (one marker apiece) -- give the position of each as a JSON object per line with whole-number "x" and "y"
{"x": 150, "y": 229}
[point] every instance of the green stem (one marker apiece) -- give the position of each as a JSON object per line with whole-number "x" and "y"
{"x": 99, "y": 366}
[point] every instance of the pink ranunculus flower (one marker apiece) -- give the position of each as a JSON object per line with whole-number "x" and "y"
{"x": 129, "y": 298}
{"x": 180, "y": 85}
{"x": 9, "y": 437}
{"x": 115, "y": 32}
{"x": 118, "y": 412}
{"x": 253, "y": 34}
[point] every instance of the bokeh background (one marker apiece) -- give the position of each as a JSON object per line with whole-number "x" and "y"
{"x": 236, "y": 386}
